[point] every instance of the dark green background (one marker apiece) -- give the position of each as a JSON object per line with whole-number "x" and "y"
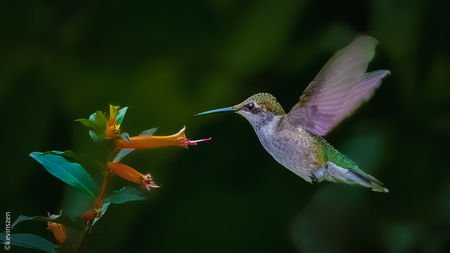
{"x": 166, "y": 60}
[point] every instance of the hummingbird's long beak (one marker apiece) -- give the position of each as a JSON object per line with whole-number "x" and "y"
{"x": 227, "y": 109}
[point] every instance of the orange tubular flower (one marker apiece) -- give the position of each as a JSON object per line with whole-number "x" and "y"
{"x": 59, "y": 231}
{"x": 147, "y": 140}
{"x": 130, "y": 174}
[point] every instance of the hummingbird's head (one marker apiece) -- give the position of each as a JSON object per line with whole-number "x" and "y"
{"x": 256, "y": 109}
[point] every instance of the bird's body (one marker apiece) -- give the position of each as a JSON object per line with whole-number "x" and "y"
{"x": 277, "y": 136}
{"x": 312, "y": 153}
{"x": 294, "y": 139}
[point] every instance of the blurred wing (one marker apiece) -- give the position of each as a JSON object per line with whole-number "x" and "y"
{"x": 339, "y": 88}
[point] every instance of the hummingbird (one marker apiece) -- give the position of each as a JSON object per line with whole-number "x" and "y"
{"x": 295, "y": 139}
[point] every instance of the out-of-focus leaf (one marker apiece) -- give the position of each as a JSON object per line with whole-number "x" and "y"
{"x": 19, "y": 219}
{"x": 27, "y": 241}
{"x": 92, "y": 117}
{"x": 71, "y": 173}
{"x": 96, "y": 139}
{"x": 149, "y": 132}
{"x": 120, "y": 115}
{"x": 125, "y": 194}
{"x": 64, "y": 220}
{"x": 124, "y": 152}
{"x": 124, "y": 137}
{"x": 80, "y": 157}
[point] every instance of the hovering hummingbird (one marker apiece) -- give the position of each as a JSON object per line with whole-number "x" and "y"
{"x": 294, "y": 139}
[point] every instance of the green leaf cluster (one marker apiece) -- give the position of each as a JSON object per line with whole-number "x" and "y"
{"x": 97, "y": 126}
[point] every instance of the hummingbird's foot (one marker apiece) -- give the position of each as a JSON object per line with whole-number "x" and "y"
{"x": 337, "y": 174}
{"x": 313, "y": 178}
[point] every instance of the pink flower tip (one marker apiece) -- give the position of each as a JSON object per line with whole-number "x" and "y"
{"x": 147, "y": 182}
{"x": 189, "y": 142}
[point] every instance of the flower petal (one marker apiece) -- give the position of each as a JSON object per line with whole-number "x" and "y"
{"x": 59, "y": 231}
{"x": 113, "y": 111}
{"x": 147, "y": 182}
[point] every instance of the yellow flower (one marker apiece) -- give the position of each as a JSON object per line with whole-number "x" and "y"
{"x": 112, "y": 129}
{"x": 147, "y": 140}
{"x": 130, "y": 174}
{"x": 59, "y": 231}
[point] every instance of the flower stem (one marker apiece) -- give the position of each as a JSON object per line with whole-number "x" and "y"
{"x": 102, "y": 193}
{"x": 83, "y": 239}
{"x": 99, "y": 203}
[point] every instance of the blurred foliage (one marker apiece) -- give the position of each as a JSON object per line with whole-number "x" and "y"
{"x": 166, "y": 60}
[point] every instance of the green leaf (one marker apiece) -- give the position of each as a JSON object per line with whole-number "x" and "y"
{"x": 97, "y": 126}
{"x": 120, "y": 115}
{"x": 20, "y": 219}
{"x": 82, "y": 158}
{"x": 124, "y": 152}
{"x": 125, "y": 194}
{"x": 98, "y": 130}
{"x": 27, "y": 241}
{"x": 64, "y": 220}
{"x": 70, "y": 173}
{"x": 92, "y": 116}
{"x": 149, "y": 132}
{"x": 96, "y": 139}
{"x": 124, "y": 137}
{"x": 100, "y": 119}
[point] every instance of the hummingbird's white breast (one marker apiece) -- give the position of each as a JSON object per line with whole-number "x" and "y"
{"x": 289, "y": 145}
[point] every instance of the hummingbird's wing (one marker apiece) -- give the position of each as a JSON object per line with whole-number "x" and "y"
{"x": 341, "y": 85}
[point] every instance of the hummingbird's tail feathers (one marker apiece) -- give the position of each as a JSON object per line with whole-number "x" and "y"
{"x": 372, "y": 182}
{"x": 337, "y": 174}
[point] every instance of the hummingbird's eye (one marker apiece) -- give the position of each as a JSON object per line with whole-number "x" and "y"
{"x": 249, "y": 106}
